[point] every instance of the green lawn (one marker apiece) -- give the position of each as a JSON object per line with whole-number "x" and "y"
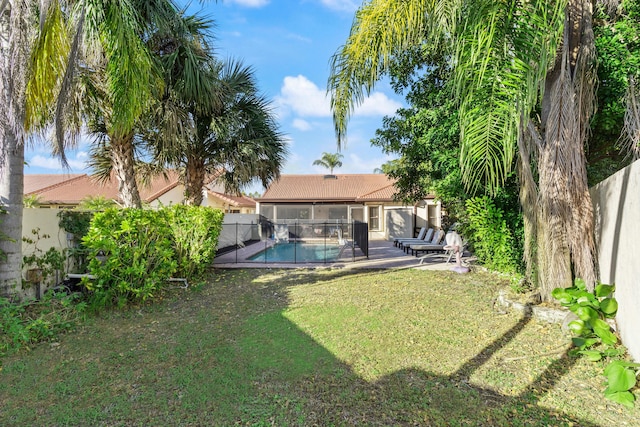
{"x": 298, "y": 347}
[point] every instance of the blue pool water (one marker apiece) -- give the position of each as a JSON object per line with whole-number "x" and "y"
{"x": 298, "y": 252}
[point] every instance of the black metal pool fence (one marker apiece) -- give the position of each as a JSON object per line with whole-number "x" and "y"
{"x": 296, "y": 241}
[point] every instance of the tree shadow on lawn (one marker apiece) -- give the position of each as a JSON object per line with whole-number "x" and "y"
{"x": 247, "y": 365}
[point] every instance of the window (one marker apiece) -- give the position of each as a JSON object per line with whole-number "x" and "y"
{"x": 374, "y": 217}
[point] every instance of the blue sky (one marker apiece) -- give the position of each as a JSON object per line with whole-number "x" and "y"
{"x": 289, "y": 44}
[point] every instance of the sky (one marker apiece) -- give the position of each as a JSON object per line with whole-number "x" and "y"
{"x": 289, "y": 44}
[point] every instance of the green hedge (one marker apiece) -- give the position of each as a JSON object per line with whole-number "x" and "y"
{"x": 195, "y": 231}
{"x": 133, "y": 252}
{"x": 492, "y": 240}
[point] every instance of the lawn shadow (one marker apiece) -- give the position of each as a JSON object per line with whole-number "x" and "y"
{"x": 307, "y": 381}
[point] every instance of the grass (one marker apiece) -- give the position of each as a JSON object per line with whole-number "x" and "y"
{"x": 299, "y": 347}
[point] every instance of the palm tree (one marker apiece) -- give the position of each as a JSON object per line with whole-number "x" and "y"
{"x": 41, "y": 80}
{"x": 15, "y": 42}
{"x": 329, "y": 161}
{"x": 508, "y": 58}
{"x": 226, "y": 130}
{"x": 115, "y": 130}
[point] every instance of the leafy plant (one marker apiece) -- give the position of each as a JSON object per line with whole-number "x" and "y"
{"x": 27, "y": 322}
{"x": 131, "y": 255}
{"x": 49, "y": 262}
{"x": 96, "y": 203}
{"x": 492, "y": 240}
{"x": 76, "y": 224}
{"x": 195, "y": 231}
{"x": 594, "y": 339}
{"x": 31, "y": 201}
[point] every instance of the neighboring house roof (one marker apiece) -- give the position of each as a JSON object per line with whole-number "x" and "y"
{"x": 330, "y": 188}
{"x": 237, "y": 201}
{"x": 38, "y": 182}
{"x": 72, "y": 191}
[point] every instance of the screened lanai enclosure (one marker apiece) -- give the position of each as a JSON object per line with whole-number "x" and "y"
{"x": 293, "y": 241}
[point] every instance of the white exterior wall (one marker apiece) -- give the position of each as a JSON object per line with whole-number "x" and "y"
{"x": 616, "y": 204}
{"x": 175, "y": 196}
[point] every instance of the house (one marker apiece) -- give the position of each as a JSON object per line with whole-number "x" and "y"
{"x": 66, "y": 191}
{"x": 345, "y": 198}
{"x": 214, "y": 196}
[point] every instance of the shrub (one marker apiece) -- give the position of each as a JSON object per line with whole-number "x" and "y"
{"x": 76, "y": 223}
{"x": 49, "y": 263}
{"x": 492, "y": 240}
{"x": 195, "y": 231}
{"x": 131, "y": 255}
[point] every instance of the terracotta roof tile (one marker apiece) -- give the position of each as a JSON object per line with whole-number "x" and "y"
{"x": 385, "y": 193}
{"x": 329, "y": 188}
{"x": 238, "y": 201}
{"x": 73, "y": 191}
{"x": 33, "y": 183}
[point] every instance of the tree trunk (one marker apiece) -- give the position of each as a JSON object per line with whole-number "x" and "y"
{"x": 194, "y": 180}
{"x": 123, "y": 160}
{"x": 11, "y": 194}
{"x": 566, "y": 235}
{"x": 14, "y": 54}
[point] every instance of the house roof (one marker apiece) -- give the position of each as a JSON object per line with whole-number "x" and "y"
{"x": 39, "y": 182}
{"x": 237, "y": 201}
{"x": 328, "y": 188}
{"x": 73, "y": 190}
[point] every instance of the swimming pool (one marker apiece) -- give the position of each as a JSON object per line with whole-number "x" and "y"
{"x": 298, "y": 252}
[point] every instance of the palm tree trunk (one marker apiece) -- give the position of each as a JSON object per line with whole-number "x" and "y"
{"x": 123, "y": 165}
{"x": 11, "y": 192}
{"x": 14, "y": 55}
{"x": 566, "y": 238}
{"x": 194, "y": 181}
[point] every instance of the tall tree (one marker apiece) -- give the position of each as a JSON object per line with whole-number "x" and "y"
{"x": 225, "y": 131}
{"x": 113, "y": 127}
{"x": 16, "y": 36}
{"x": 47, "y": 47}
{"x": 508, "y": 59}
{"x": 329, "y": 161}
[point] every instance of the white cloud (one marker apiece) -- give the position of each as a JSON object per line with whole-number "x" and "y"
{"x": 302, "y": 97}
{"x": 359, "y": 165}
{"x": 39, "y": 161}
{"x": 301, "y": 124}
{"x": 378, "y": 104}
{"x": 341, "y": 5}
{"x": 248, "y": 3}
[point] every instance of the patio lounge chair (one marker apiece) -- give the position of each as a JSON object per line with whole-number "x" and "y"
{"x": 402, "y": 243}
{"x": 435, "y": 245}
{"x": 420, "y": 236}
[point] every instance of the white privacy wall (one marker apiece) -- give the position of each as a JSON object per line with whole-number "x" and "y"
{"x": 616, "y": 204}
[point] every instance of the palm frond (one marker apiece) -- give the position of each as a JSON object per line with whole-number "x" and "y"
{"x": 502, "y": 58}
{"x": 48, "y": 63}
{"x": 380, "y": 29}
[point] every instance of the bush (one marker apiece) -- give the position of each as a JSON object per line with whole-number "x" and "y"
{"x": 492, "y": 240}
{"x": 131, "y": 255}
{"x": 76, "y": 223}
{"x": 195, "y": 231}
